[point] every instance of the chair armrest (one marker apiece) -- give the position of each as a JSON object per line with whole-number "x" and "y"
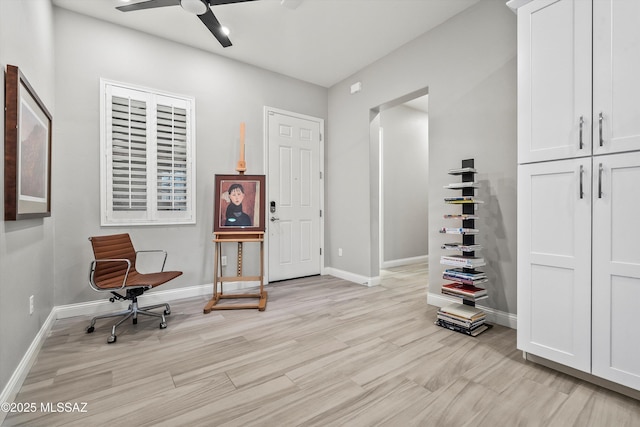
{"x": 159, "y": 251}
{"x": 92, "y": 271}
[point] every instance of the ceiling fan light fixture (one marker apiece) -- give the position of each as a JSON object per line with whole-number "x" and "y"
{"x": 197, "y": 7}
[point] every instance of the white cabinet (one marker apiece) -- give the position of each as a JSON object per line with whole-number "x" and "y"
{"x": 578, "y": 236}
{"x": 616, "y": 72}
{"x": 554, "y": 80}
{"x": 616, "y": 268}
{"x": 579, "y": 264}
{"x": 557, "y": 67}
{"x": 554, "y": 261}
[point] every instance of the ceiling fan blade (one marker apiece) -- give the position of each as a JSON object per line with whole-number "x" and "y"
{"x": 150, "y": 4}
{"x": 212, "y": 23}
{"x": 219, "y": 2}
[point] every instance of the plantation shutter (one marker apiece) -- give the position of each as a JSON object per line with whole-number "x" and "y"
{"x": 129, "y": 154}
{"x": 148, "y": 175}
{"x": 172, "y": 158}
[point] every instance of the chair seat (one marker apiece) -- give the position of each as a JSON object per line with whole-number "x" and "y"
{"x": 135, "y": 279}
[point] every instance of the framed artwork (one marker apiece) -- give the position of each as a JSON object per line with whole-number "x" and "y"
{"x": 27, "y": 150}
{"x": 239, "y": 203}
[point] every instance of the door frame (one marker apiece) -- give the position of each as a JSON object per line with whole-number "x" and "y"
{"x": 271, "y": 110}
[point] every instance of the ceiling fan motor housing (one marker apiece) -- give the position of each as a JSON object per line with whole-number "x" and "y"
{"x": 197, "y": 7}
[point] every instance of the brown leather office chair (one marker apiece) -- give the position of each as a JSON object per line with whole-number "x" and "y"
{"x": 114, "y": 269}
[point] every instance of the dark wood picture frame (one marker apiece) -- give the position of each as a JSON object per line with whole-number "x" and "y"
{"x": 249, "y": 214}
{"x": 27, "y": 150}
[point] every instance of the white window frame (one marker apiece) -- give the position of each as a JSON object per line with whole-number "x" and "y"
{"x": 151, "y": 215}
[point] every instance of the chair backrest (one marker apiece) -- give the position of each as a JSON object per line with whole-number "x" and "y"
{"x": 117, "y": 246}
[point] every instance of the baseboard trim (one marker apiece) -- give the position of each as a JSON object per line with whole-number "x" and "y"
{"x": 352, "y": 277}
{"x": 618, "y": 388}
{"x": 92, "y": 308}
{"x": 14, "y": 384}
{"x": 493, "y": 316}
{"x": 405, "y": 261}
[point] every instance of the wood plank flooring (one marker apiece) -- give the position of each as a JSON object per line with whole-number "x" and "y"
{"x": 326, "y": 352}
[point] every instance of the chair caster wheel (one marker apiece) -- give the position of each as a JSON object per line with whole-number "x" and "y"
{"x": 135, "y": 321}
{"x": 167, "y": 312}
{"x": 163, "y": 325}
{"x": 111, "y": 339}
{"x": 90, "y": 329}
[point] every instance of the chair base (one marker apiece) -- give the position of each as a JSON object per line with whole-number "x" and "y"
{"x": 132, "y": 311}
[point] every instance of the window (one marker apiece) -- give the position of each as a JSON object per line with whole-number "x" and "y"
{"x": 148, "y": 144}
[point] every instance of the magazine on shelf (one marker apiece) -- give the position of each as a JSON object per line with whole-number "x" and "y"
{"x": 464, "y": 289}
{"x": 462, "y": 261}
{"x": 464, "y": 297}
{"x": 461, "y": 198}
{"x": 461, "y": 216}
{"x": 455, "y": 246}
{"x": 461, "y": 201}
{"x": 466, "y": 274}
{"x": 459, "y": 171}
{"x": 463, "y": 280}
{"x": 459, "y": 230}
{"x": 458, "y": 185}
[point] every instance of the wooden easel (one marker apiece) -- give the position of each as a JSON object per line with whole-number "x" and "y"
{"x": 240, "y": 238}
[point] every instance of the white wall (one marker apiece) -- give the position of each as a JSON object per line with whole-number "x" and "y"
{"x": 227, "y": 92}
{"x": 469, "y": 65}
{"x": 405, "y": 170}
{"x": 26, "y": 246}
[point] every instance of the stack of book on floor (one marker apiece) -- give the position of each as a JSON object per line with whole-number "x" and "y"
{"x": 462, "y": 318}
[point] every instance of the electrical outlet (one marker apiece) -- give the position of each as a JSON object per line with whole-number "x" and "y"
{"x": 339, "y": 251}
{"x": 31, "y": 305}
{"x": 224, "y": 260}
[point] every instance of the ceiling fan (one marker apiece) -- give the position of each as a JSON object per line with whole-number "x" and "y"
{"x": 198, "y": 7}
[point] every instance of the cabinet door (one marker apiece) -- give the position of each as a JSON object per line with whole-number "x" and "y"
{"x": 616, "y": 72}
{"x": 554, "y": 80}
{"x": 616, "y": 268}
{"x": 554, "y": 256}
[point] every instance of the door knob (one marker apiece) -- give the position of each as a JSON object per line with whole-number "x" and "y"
{"x": 273, "y": 219}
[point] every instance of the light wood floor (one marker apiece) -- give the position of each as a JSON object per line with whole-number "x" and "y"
{"x": 325, "y": 353}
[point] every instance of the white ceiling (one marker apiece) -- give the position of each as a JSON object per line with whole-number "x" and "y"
{"x": 320, "y": 41}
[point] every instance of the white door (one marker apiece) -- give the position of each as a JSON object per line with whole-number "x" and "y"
{"x": 616, "y": 67}
{"x": 616, "y": 268}
{"x": 294, "y": 195}
{"x": 554, "y": 80}
{"x": 554, "y": 261}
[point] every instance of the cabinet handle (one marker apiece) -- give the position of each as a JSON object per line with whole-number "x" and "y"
{"x": 581, "y": 125}
{"x": 581, "y": 189}
{"x": 600, "y": 181}
{"x": 600, "y": 119}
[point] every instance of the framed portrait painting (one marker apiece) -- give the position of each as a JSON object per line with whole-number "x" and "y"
{"x": 27, "y": 150}
{"x": 239, "y": 203}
